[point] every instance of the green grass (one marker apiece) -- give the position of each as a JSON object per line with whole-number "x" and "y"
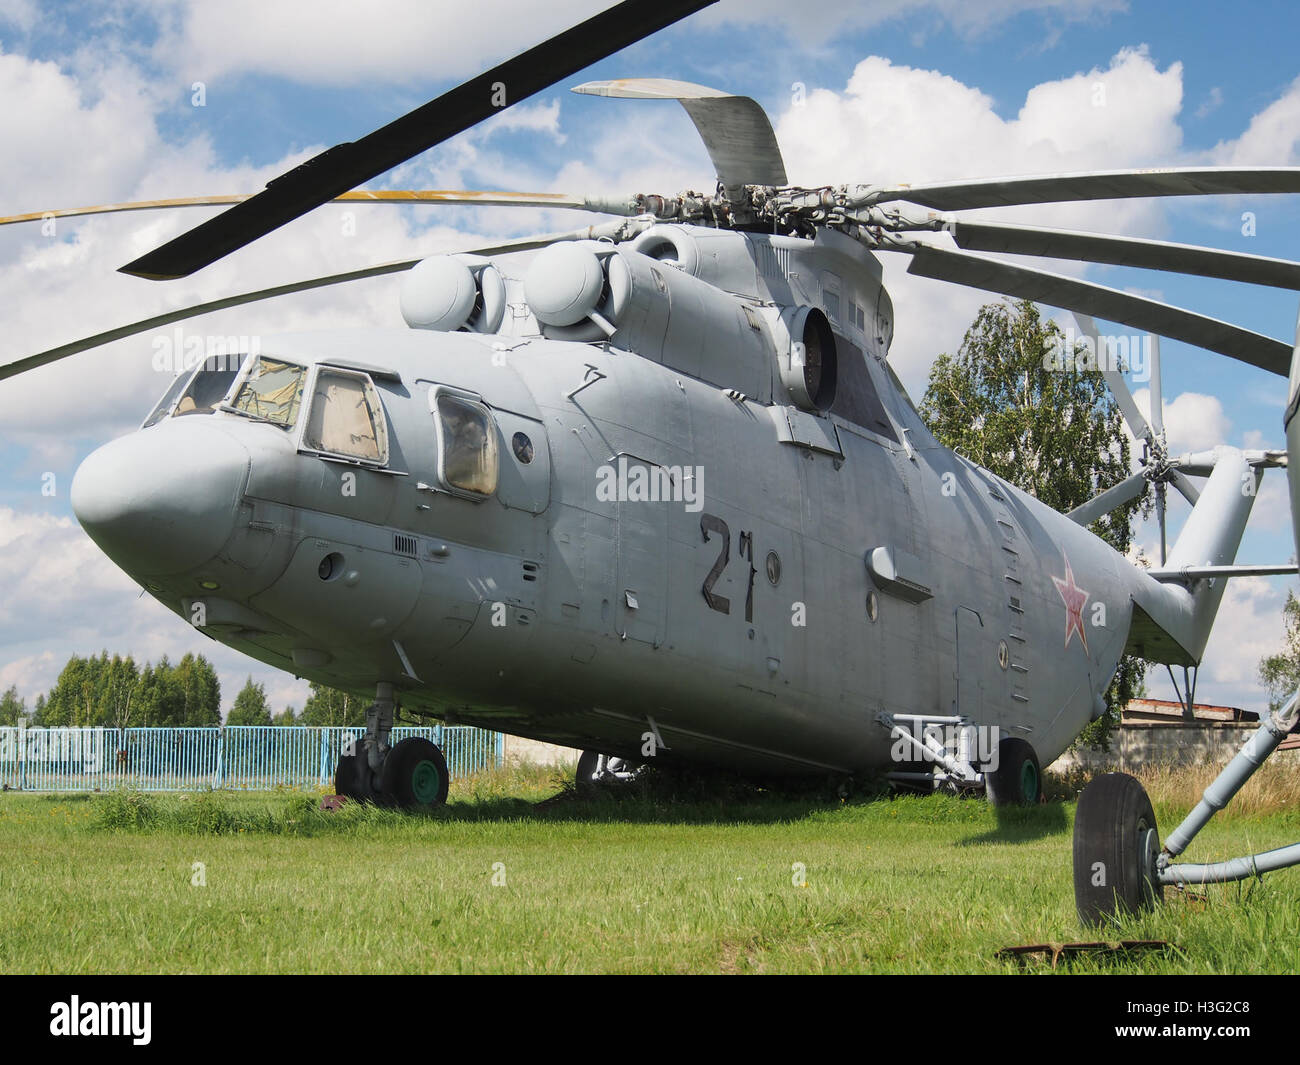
{"x": 654, "y": 883}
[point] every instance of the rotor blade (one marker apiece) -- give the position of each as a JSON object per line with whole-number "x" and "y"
{"x": 1125, "y": 251}
{"x": 1111, "y": 499}
{"x": 1133, "y": 415}
{"x": 1157, "y": 391}
{"x": 471, "y": 197}
{"x": 1055, "y": 290}
{"x": 735, "y": 129}
{"x": 1160, "y": 519}
{"x": 347, "y": 165}
{"x": 1093, "y": 185}
{"x": 1184, "y": 484}
{"x": 43, "y": 358}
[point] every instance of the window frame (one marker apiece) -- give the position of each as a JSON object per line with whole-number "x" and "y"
{"x": 250, "y": 360}
{"x": 436, "y": 392}
{"x": 314, "y": 372}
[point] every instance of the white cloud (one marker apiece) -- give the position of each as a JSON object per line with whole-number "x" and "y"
{"x": 1271, "y": 139}
{"x": 1249, "y": 627}
{"x": 1193, "y": 422}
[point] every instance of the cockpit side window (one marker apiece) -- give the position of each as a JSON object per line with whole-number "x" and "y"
{"x": 346, "y": 417}
{"x": 164, "y": 405}
{"x": 467, "y": 437}
{"x": 271, "y": 392}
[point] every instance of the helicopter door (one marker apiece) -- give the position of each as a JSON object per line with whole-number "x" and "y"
{"x": 971, "y": 639}
{"x": 641, "y": 596}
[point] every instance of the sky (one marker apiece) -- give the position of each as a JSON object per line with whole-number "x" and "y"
{"x": 108, "y": 102}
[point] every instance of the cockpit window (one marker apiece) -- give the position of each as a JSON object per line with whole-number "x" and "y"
{"x": 271, "y": 392}
{"x": 164, "y": 406}
{"x": 346, "y": 417}
{"x": 209, "y": 385}
{"x": 468, "y": 438}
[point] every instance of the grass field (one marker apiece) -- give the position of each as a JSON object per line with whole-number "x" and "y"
{"x": 108, "y": 883}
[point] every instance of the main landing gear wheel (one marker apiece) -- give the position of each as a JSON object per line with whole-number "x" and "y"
{"x": 1018, "y": 779}
{"x": 352, "y": 776}
{"x": 1116, "y": 843}
{"x": 596, "y": 771}
{"x": 415, "y": 775}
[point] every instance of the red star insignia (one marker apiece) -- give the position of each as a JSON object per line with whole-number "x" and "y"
{"x": 1075, "y": 599}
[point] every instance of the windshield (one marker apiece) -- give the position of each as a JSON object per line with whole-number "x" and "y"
{"x": 209, "y": 384}
{"x": 164, "y": 405}
{"x": 272, "y": 392}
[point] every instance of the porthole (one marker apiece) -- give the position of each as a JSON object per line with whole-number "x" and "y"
{"x": 522, "y": 447}
{"x": 1004, "y": 654}
{"x": 873, "y": 606}
{"x": 773, "y": 566}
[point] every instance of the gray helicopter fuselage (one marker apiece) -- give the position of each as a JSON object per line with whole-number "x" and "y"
{"x": 675, "y": 551}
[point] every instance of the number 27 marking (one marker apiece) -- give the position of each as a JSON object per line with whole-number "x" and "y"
{"x": 710, "y": 523}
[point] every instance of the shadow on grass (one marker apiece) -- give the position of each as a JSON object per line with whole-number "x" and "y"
{"x": 1021, "y": 824}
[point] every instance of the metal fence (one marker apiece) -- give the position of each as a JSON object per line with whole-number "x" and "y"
{"x": 238, "y": 757}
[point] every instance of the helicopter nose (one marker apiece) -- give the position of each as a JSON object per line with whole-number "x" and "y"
{"x": 163, "y": 501}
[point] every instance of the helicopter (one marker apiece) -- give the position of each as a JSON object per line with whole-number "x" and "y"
{"x": 650, "y": 488}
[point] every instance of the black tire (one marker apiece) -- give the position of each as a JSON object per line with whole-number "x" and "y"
{"x": 352, "y": 776}
{"x": 1116, "y": 842}
{"x": 584, "y": 777}
{"x": 1018, "y": 778}
{"x": 415, "y": 775}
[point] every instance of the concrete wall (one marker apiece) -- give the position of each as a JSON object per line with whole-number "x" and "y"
{"x": 1135, "y": 745}
{"x": 518, "y": 749}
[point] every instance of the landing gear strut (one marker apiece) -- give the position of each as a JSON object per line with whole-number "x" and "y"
{"x": 411, "y": 776}
{"x": 596, "y": 771}
{"x": 1120, "y": 866}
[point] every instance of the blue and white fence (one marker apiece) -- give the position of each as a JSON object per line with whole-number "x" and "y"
{"x": 238, "y": 757}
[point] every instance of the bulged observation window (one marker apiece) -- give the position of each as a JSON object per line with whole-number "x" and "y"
{"x": 468, "y": 439}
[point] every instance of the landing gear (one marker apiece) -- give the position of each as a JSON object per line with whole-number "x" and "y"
{"x": 1018, "y": 778}
{"x": 411, "y": 776}
{"x": 414, "y": 776}
{"x": 352, "y": 776}
{"x": 1116, "y": 847}
{"x": 597, "y": 771}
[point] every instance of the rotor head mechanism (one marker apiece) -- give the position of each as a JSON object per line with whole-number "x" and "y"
{"x": 451, "y": 293}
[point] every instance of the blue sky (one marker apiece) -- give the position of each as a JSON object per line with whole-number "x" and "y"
{"x": 99, "y": 108}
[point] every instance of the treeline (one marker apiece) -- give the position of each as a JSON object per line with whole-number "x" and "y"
{"x": 116, "y": 692}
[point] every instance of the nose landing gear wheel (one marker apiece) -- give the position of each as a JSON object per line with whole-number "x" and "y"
{"x": 415, "y": 775}
{"x": 1018, "y": 779}
{"x": 1116, "y": 843}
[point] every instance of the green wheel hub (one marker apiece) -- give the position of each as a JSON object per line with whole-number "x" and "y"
{"x": 1029, "y": 782}
{"x": 426, "y": 782}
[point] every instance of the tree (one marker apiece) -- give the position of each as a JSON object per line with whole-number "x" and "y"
{"x": 287, "y": 716}
{"x": 327, "y": 706}
{"x": 250, "y": 706}
{"x": 13, "y": 710}
{"x": 1057, "y": 434}
{"x": 1280, "y": 672}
